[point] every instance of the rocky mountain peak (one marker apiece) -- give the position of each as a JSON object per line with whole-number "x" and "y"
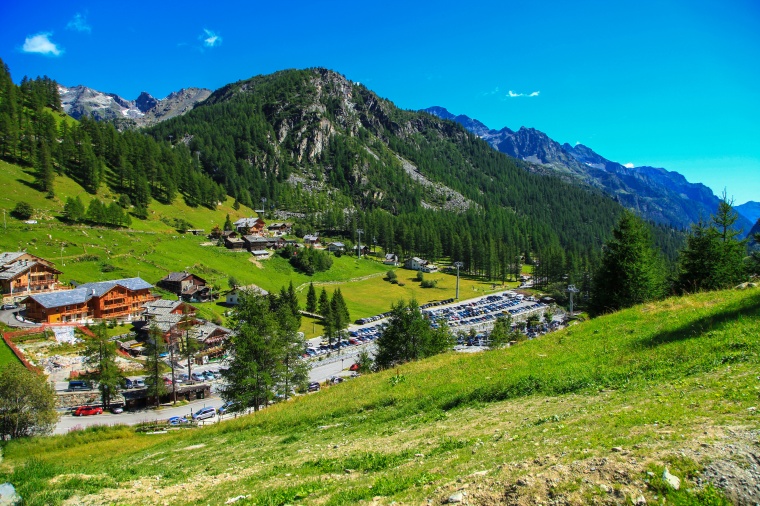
{"x": 145, "y": 102}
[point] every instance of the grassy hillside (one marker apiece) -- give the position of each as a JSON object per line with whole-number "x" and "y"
{"x": 151, "y": 248}
{"x": 576, "y": 417}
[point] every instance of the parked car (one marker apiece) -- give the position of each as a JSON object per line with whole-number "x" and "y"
{"x": 217, "y": 374}
{"x": 314, "y": 386}
{"x": 183, "y": 378}
{"x": 9, "y": 306}
{"x": 208, "y": 375}
{"x": 204, "y": 413}
{"x": 226, "y": 407}
{"x": 88, "y": 410}
{"x": 79, "y": 385}
{"x": 139, "y": 383}
{"x": 197, "y": 376}
{"x": 178, "y": 420}
{"x": 167, "y": 381}
{"x": 117, "y": 410}
{"x": 354, "y": 367}
{"x": 128, "y": 383}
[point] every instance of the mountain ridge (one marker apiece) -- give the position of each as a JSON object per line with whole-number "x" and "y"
{"x": 655, "y": 193}
{"x": 145, "y": 110}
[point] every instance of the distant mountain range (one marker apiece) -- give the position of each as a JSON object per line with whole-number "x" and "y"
{"x": 750, "y": 210}
{"x": 656, "y": 194}
{"x": 145, "y": 110}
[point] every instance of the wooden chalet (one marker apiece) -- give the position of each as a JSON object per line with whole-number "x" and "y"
{"x": 118, "y": 299}
{"x": 250, "y": 226}
{"x": 22, "y": 274}
{"x": 188, "y": 286}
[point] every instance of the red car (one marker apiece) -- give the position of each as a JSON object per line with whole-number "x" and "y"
{"x": 354, "y": 367}
{"x": 88, "y": 410}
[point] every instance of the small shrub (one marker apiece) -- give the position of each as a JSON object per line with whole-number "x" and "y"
{"x": 23, "y": 211}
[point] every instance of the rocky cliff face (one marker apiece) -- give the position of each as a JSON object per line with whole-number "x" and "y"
{"x": 81, "y": 101}
{"x": 655, "y": 193}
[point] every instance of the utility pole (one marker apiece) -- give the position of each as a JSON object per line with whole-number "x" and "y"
{"x": 571, "y": 290}
{"x": 458, "y": 265}
{"x": 360, "y": 232}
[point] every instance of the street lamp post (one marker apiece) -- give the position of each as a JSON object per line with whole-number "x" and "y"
{"x": 458, "y": 265}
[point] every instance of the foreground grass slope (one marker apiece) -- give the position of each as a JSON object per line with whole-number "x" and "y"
{"x": 579, "y": 416}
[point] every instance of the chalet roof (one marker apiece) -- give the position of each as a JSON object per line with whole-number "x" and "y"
{"x": 176, "y": 276}
{"x": 259, "y": 252}
{"x": 8, "y": 257}
{"x": 102, "y": 287}
{"x": 14, "y": 269}
{"x": 391, "y": 256}
{"x": 205, "y": 330}
{"x": 161, "y": 307}
{"x": 311, "y": 237}
{"x": 86, "y": 291}
{"x": 337, "y": 244}
{"x": 62, "y": 298}
{"x": 255, "y": 239}
{"x": 248, "y": 222}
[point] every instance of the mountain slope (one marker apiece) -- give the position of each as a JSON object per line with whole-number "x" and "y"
{"x": 750, "y": 210}
{"x": 570, "y": 418}
{"x": 295, "y": 136}
{"x": 656, "y": 194}
{"x": 81, "y": 101}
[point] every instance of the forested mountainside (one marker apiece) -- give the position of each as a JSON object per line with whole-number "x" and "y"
{"x": 310, "y": 140}
{"x": 335, "y": 157}
{"x": 656, "y": 194}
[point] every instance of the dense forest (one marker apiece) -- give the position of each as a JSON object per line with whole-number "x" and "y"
{"x": 130, "y": 163}
{"x": 335, "y": 158}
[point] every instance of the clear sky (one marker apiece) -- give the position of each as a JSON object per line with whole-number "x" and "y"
{"x": 673, "y": 84}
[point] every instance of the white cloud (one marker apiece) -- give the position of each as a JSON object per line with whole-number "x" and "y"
{"x": 512, "y": 94}
{"x": 628, "y": 165}
{"x": 41, "y": 44}
{"x": 211, "y": 39}
{"x": 79, "y": 23}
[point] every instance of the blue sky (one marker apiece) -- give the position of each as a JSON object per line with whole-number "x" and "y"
{"x": 673, "y": 84}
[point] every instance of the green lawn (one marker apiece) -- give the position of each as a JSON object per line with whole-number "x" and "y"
{"x": 6, "y": 355}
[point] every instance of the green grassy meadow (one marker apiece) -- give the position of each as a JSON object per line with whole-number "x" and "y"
{"x": 6, "y": 355}
{"x": 578, "y": 416}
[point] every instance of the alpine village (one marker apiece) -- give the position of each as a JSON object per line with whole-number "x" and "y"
{"x": 290, "y": 291}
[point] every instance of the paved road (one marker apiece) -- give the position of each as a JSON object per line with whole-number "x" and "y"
{"x": 8, "y": 317}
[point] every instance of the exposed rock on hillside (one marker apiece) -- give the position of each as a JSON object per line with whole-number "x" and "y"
{"x": 81, "y": 101}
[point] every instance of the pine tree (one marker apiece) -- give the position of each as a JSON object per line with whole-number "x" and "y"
{"x": 713, "y": 257}
{"x": 311, "y": 299}
{"x": 100, "y": 354}
{"x": 228, "y": 223}
{"x": 154, "y": 347}
{"x": 631, "y": 271}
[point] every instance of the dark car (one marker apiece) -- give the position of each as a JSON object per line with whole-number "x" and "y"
{"x": 87, "y": 411}
{"x": 314, "y": 386}
{"x": 79, "y": 385}
{"x": 128, "y": 383}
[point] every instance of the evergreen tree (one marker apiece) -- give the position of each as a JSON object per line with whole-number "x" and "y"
{"x": 228, "y": 223}
{"x": 44, "y": 173}
{"x": 409, "y": 337}
{"x": 502, "y": 330}
{"x": 100, "y": 355}
{"x": 293, "y": 305}
{"x": 713, "y": 257}
{"x": 74, "y": 210}
{"x": 154, "y": 347}
{"x": 262, "y": 350}
{"x": 631, "y": 272}
{"x": 311, "y": 299}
